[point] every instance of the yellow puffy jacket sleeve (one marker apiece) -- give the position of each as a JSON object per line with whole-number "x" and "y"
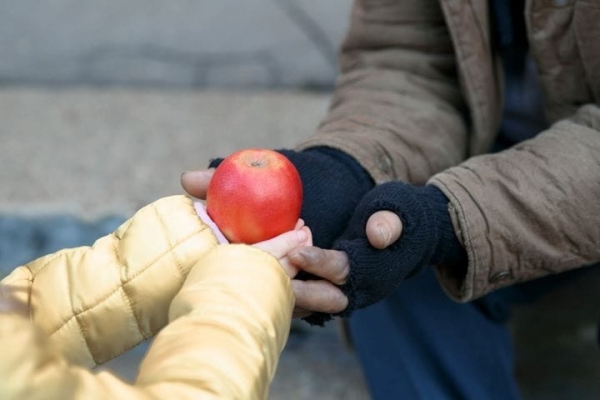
{"x": 228, "y": 324}
{"x": 96, "y": 302}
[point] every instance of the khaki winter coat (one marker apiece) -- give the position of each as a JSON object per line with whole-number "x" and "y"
{"x": 419, "y": 99}
{"x": 227, "y": 322}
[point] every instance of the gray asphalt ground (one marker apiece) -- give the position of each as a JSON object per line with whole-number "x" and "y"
{"x": 104, "y": 104}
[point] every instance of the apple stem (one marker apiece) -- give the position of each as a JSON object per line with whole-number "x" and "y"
{"x": 257, "y": 163}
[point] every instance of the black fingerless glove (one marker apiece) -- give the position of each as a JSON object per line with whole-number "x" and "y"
{"x": 333, "y": 184}
{"x": 427, "y": 238}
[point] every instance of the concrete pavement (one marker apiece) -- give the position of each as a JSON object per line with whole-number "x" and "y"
{"x": 96, "y": 152}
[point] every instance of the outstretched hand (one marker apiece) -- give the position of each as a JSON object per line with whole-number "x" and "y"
{"x": 281, "y": 247}
{"x": 322, "y": 296}
{"x": 396, "y": 230}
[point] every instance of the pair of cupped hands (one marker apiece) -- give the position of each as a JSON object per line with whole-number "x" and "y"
{"x": 295, "y": 252}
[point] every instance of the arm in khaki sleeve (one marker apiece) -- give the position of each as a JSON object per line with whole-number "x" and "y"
{"x": 397, "y": 107}
{"x": 529, "y": 211}
{"x": 96, "y": 302}
{"x": 228, "y": 326}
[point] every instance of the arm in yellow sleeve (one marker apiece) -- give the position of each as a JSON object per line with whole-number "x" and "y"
{"x": 94, "y": 303}
{"x": 228, "y": 326}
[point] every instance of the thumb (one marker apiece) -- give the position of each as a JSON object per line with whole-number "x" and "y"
{"x": 383, "y": 228}
{"x": 195, "y": 183}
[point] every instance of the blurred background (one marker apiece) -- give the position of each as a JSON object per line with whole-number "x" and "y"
{"x": 104, "y": 104}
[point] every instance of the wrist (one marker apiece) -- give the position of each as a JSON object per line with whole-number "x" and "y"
{"x": 447, "y": 249}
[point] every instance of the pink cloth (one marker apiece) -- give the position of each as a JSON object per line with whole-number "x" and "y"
{"x": 201, "y": 211}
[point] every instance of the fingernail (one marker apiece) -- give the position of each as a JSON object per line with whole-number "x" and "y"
{"x": 302, "y": 235}
{"x": 385, "y": 234}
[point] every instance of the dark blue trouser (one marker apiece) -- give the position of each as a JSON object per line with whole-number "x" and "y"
{"x": 420, "y": 344}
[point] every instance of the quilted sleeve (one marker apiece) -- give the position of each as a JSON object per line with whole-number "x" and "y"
{"x": 94, "y": 303}
{"x": 527, "y": 212}
{"x": 228, "y": 326}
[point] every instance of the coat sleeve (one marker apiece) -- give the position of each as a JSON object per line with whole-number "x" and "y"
{"x": 397, "y": 107}
{"x": 529, "y": 211}
{"x": 228, "y": 326}
{"x": 94, "y": 303}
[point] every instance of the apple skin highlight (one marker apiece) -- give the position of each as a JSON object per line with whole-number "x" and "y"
{"x": 254, "y": 195}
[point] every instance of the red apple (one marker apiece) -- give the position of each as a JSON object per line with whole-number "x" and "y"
{"x": 254, "y": 195}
